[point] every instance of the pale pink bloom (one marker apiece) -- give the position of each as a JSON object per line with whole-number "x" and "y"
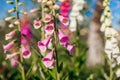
{"x": 13, "y": 62}
{"x": 42, "y": 45}
{"x": 63, "y": 20}
{"x": 26, "y": 52}
{"x": 48, "y": 60}
{"x": 24, "y": 40}
{"x": 9, "y": 56}
{"x": 10, "y": 35}
{"x": 49, "y": 28}
{"x": 70, "y": 48}
{"x": 37, "y": 24}
{"x": 62, "y": 37}
{"x": 8, "y": 46}
{"x": 48, "y": 18}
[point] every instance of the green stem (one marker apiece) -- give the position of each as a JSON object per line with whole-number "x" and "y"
{"x": 55, "y": 48}
{"x": 111, "y": 72}
{"x": 21, "y": 59}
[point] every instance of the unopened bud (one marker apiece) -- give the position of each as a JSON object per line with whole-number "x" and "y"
{"x": 34, "y": 10}
{"x": 11, "y": 26}
{"x": 56, "y": 7}
{"x": 17, "y": 22}
{"x": 20, "y": 4}
{"x": 9, "y": 18}
{"x": 62, "y": 0}
{"x": 9, "y": 2}
{"x": 49, "y": 3}
{"x": 11, "y": 10}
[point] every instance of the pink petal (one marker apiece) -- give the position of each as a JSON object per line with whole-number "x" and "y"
{"x": 70, "y": 48}
{"x": 49, "y": 64}
{"x": 49, "y": 29}
{"x": 8, "y": 46}
{"x": 42, "y": 47}
{"x": 10, "y": 35}
{"x": 48, "y": 18}
{"x": 9, "y": 56}
{"x": 62, "y": 37}
{"x": 63, "y": 20}
{"x": 37, "y": 24}
{"x": 14, "y": 62}
{"x": 26, "y": 52}
{"x": 50, "y": 55}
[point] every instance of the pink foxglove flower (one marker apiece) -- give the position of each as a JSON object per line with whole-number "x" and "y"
{"x": 65, "y": 8}
{"x": 9, "y": 56}
{"x": 42, "y": 45}
{"x": 14, "y": 62}
{"x": 8, "y": 46}
{"x": 64, "y": 21}
{"x": 48, "y": 18}
{"x": 37, "y": 24}
{"x": 26, "y": 52}
{"x": 48, "y": 60}
{"x": 62, "y": 37}
{"x": 70, "y": 48}
{"x": 10, "y": 35}
{"x": 49, "y": 29}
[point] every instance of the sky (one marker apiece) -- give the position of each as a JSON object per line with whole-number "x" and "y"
{"x": 114, "y": 5}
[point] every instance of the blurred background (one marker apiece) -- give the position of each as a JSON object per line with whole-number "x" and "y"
{"x": 82, "y": 65}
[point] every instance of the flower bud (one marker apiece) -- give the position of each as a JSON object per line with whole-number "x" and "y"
{"x": 11, "y": 10}
{"x": 9, "y": 2}
{"x": 56, "y": 7}
{"x": 11, "y": 25}
{"x": 34, "y": 10}
{"x": 9, "y": 18}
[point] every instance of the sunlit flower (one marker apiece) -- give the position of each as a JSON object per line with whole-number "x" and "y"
{"x": 9, "y": 56}
{"x": 63, "y": 39}
{"x": 49, "y": 28}
{"x": 70, "y": 48}
{"x": 48, "y": 60}
{"x": 63, "y": 20}
{"x": 8, "y": 46}
{"x": 10, "y": 35}
{"x": 42, "y": 45}
{"x": 47, "y": 18}
{"x": 37, "y": 24}
{"x": 26, "y": 52}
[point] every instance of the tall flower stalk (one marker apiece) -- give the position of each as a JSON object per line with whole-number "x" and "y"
{"x": 111, "y": 43}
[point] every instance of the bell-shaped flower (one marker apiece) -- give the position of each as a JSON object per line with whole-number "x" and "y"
{"x": 47, "y": 18}
{"x": 48, "y": 60}
{"x": 73, "y": 24}
{"x": 108, "y": 47}
{"x": 108, "y": 32}
{"x": 63, "y": 20}
{"x": 70, "y": 48}
{"x": 115, "y": 52}
{"x": 13, "y": 62}
{"x": 118, "y": 60}
{"x": 42, "y": 45}
{"x": 63, "y": 39}
{"x": 10, "y": 35}
{"x": 114, "y": 42}
{"x": 49, "y": 28}
{"x": 26, "y": 52}
{"x": 37, "y": 24}
{"x": 8, "y": 46}
{"x": 9, "y": 56}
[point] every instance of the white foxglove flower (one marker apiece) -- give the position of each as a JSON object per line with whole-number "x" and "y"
{"x": 117, "y": 73}
{"x": 116, "y": 52}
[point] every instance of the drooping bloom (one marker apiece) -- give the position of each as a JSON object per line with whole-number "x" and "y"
{"x": 42, "y": 45}
{"x": 65, "y": 8}
{"x": 9, "y": 56}
{"x": 49, "y": 28}
{"x": 64, "y": 21}
{"x": 37, "y": 24}
{"x": 26, "y": 52}
{"x": 10, "y": 35}
{"x": 63, "y": 39}
{"x": 8, "y": 46}
{"x": 70, "y": 48}
{"x": 14, "y": 61}
{"x": 48, "y": 60}
{"x": 48, "y": 18}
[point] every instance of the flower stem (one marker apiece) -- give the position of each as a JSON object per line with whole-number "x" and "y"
{"x": 21, "y": 59}
{"x": 55, "y": 48}
{"x": 111, "y": 72}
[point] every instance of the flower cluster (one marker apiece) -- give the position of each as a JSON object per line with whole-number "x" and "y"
{"x": 19, "y": 37}
{"x": 111, "y": 44}
{"x": 75, "y": 14}
{"x": 51, "y": 31}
